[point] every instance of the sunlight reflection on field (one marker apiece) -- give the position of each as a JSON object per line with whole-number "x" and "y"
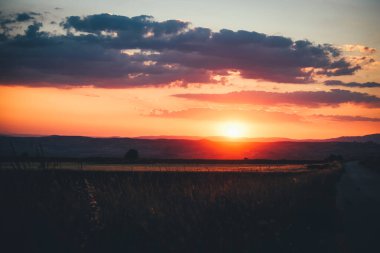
{"x": 199, "y": 167}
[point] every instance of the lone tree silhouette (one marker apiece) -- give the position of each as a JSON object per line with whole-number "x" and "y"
{"x": 132, "y": 155}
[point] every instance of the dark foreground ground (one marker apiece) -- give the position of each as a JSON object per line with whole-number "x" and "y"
{"x": 358, "y": 204}
{"x": 98, "y": 211}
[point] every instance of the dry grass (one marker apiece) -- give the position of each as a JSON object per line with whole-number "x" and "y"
{"x": 151, "y": 211}
{"x": 199, "y": 167}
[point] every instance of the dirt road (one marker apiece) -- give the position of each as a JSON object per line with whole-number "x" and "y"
{"x": 358, "y": 204}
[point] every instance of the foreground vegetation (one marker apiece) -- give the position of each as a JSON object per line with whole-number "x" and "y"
{"x": 145, "y": 211}
{"x": 372, "y": 162}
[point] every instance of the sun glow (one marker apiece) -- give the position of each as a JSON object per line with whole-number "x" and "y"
{"x": 233, "y": 130}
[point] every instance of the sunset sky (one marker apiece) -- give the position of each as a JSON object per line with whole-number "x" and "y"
{"x": 243, "y": 68}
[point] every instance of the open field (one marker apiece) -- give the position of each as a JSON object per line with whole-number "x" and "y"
{"x": 168, "y": 211}
{"x": 201, "y": 168}
{"x": 168, "y": 167}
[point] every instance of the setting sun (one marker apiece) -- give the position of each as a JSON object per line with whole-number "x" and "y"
{"x": 197, "y": 126}
{"x": 233, "y": 130}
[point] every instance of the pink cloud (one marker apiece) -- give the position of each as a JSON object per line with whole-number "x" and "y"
{"x": 334, "y": 98}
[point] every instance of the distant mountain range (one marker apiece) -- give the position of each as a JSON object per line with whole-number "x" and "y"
{"x": 170, "y": 147}
{"x": 364, "y": 138}
{"x": 213, "y": 138}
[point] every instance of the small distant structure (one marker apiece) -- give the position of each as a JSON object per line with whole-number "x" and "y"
{"x": 132, "y": 155}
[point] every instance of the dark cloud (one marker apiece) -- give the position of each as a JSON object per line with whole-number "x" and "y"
{"x": 343, "y": 71}
{"x": 9, "y": 22}
{"x": 21, "y": 17}
{"x": 333, "y": 98}
{"x": 93, "y": 51}
{"x": 347, "y": 118}
{"x": 18, "y": 18}
{"x": 352, "y": 84}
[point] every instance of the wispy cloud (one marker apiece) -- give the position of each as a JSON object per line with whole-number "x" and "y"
{"x": 261, "y": 116}
{"x": 346, "y": 118}
{"x": 229, "y": 114}
{"x": 358, "y": 48}
{"x": 334, "y": 97}
{"x": 352, "y": 84}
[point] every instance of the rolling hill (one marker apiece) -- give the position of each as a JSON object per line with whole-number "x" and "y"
{"x": 81, "y": 147}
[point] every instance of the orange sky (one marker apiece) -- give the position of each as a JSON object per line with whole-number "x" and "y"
{"x": 153, "y": 111}
{"x": 114, "y": 75}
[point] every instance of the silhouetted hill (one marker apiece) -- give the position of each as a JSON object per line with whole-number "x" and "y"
{"x": 365, "y": 138}
{"x": 77, "y": 146}
{"x": 215, "y": 138}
